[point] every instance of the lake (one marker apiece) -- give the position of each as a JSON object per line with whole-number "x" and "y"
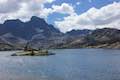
{"x": 67, "y": 64}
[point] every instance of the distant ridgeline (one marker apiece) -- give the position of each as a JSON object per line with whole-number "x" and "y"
{"x": 14, "y": 34}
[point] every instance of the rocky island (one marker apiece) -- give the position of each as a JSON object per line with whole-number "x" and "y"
{"x": 29, "y": 51}
{"x": 33, "y": 53}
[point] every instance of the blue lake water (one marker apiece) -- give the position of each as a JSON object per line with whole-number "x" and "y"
{"x": 67, "y": 64}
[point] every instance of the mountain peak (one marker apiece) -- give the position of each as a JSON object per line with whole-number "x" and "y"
{"x": 27, "y": 30}
{"x": 79, "y": 32}
{"x": 13, "y": 21}
{"x": 35, "y": 18}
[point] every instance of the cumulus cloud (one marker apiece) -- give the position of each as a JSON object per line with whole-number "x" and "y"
{"x": 23, "y": 9}
{"x": 7, "y": 6}
{"x": 63, "y": 8}
{"x": 107, "y": 16}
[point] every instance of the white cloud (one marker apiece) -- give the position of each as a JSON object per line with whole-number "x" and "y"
{"x": 23, "y": 9}
{"x": 3, "y": 1}
{"x": 45, "y": 12}
{"x": 63, "y": 8}
{"x": 78, "y": 3}
{"x": 107, "y": 16}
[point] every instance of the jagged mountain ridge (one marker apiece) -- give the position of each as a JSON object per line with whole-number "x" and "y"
{"x": 27, "y": 30}
{"x": 37, "y": 31}
{"x": 100, "y": 38}
{"x": 79, "y": 32}
{"x": 16, "y": 34}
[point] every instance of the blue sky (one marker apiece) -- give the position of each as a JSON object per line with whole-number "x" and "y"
{"x": 65, "y": 14}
